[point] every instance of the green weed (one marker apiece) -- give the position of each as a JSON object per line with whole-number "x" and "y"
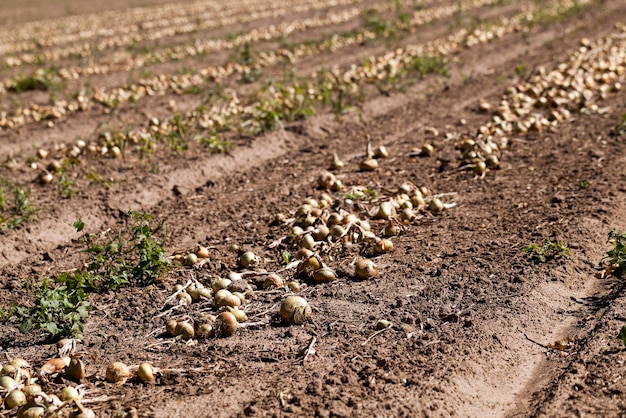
{"x": 59, "y": 310}
{"x": 42, "y": 79}
{"x": 620, "y": 128}
{"x": 521, "y": 70}
{"x": 622, "y": 335}
{"x": 15, "y": 206}
{"x": 617, "y": 255}
{"x": 134, "y": 257}
{"x": 216, "y": 144}
{"x": 362, "y": 194}
{"x": 547, "y": 251}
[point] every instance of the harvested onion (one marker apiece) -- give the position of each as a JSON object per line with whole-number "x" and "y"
{"x": 146, "y": 373}
{"x": 226, "y": 324}
{"x": 117, "y": 373}
{"x": 364, "y": 268}
{"x": 295, "y": 310}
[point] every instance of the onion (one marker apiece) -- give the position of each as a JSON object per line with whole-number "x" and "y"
{"x": 117, "y": 373}
{"x": 324, "y": 275}
{"x": 295, "y": 310}
{"x": 16, "y": 398}
{"x": 7, "y": 382}
{"x": 369, "y": 164}
{"x": 240, "y": 315}
{"x": 170, "y": 327}
{"x": 202, "y": 252}
{"x": 364, "y": 268}
{"x": 146, "y": 373}
{"x": 248, "y": 259}
{"x": 220, "y": 284}
{"x": 309, "y": 265}
{"x": 8, "y": 370}
{"x": 226, "y": 324}
{"x": 191, "y": 259}
{"x": 185, "y": 329}
{"x": 391, "y": 230}
{"x": 435, "y": 205}
{"x": 70, "y": 394}
{"x": 273, "y": 280}
{"x": 224, "y": 297}
{"x": 205, "y": 330}
{"x": 76, "y": 369}
{"x": 427, "y": 149}
{"x": 383, "y": 246}
{"x": 381, "y": 152}
{"x": 31, "y": 412}
{"x": 55, "y": 365}
{"x": 307, "y": 242}
{"x": 336, "y": 163}
{"x": 31, "y": 390}
{"x": 19, "y": 363}
{"x": 385, "y": 210}
{"x": 382, "y": 324}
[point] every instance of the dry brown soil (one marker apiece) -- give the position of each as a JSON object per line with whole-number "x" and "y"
{"x": 472, "y": 316}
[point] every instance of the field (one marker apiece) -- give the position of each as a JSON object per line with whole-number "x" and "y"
{"x": 437, "y": 188}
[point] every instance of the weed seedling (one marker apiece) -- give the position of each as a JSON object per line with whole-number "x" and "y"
{"x": 617, "y": 254}
{"x": 547, "y": 251}
{"x": 622, "y": 335}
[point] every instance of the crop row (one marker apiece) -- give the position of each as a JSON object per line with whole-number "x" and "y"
{"x": 198, "y": 24}
{"x": 191, "y": 81}
{"x": 193, "y": 48}
{"x": 337, "y": 88}
{"x": 148, "y": 21}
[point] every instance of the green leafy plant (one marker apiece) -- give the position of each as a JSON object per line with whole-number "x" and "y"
{"x": 361, "y": 194}
{"x": 547, "y": 251}
{"x": 622, "y": 335}
{"x": 216, "y": 144}
{"x": 42, "y": 79}
{"x": 134, "y": 257}
{"x": 59, "y": 310}
{"x": 620, "y": 128}
{"x": 617, "y": 254}
{"x": 15, "y": 206}
{"x": 521, "y": 70}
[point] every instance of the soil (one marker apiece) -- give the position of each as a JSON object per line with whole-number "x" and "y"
{"x": 475, "y": 321}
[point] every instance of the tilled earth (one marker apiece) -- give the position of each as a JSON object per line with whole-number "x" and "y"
{"x": 478, "y": 327}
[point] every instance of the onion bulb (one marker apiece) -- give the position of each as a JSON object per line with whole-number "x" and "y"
{"x": 383, "y": 246}
{"x": 248, "y": 259}
{"x": 324, "y": 275}
{"x": 7, "y": 382}
{"x": 273, "y": 280}
{"x": 435, "y": 205}
{"x": 170, "y": 327}
{"x": 117, "y": 373}
{"x": 146, "y": 373}
{"x": 364, "y": 268}
{"x": 28, "y": 411}
{"x": 70, "y": 393}
{"x": 205, "y": 330}
{"x": 202, "y": 252}
{"x": 16, "y": 398}
{"x": 224, "y": 297}
{"x": 184, "y": 329}
{"x": 295, "y": 310}
{"x": 226, "y": 324}
{"x": 76, "y": 369}
{"x": 369, "y": 164}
